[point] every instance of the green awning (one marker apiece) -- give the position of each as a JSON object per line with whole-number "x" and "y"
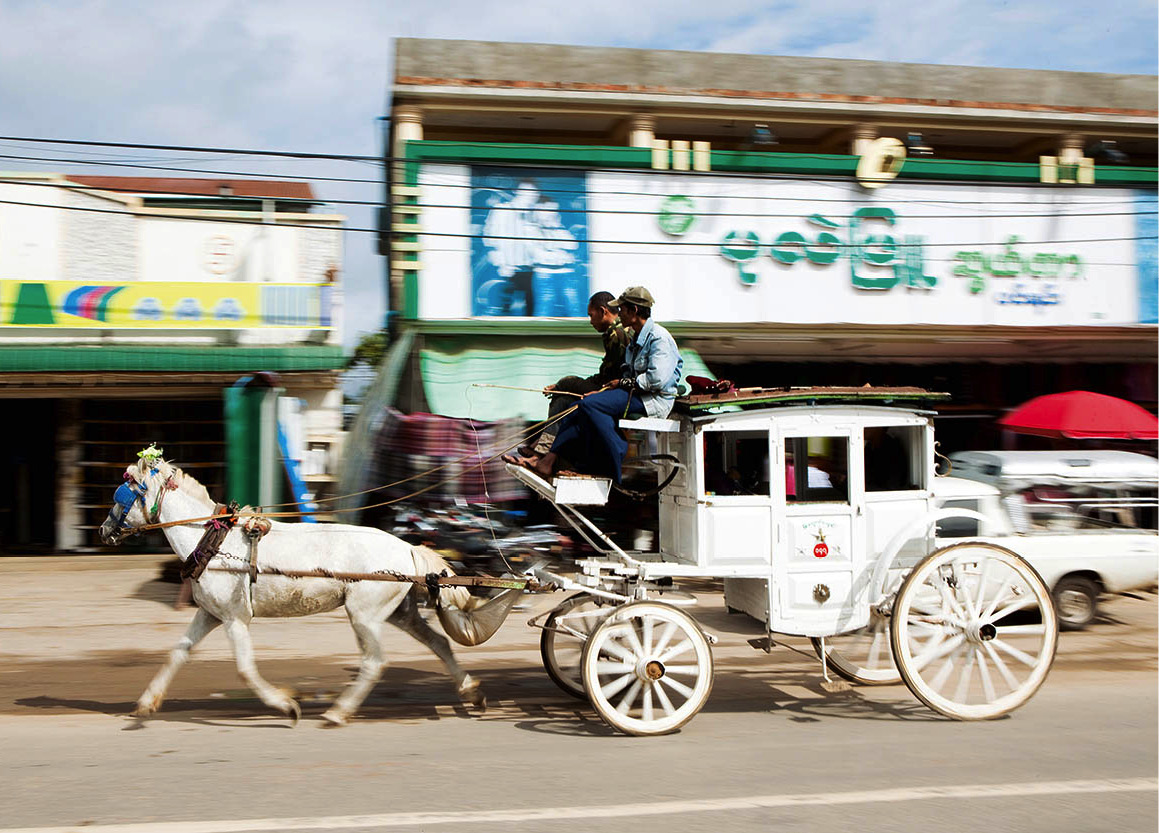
{"x": 164, "y": 357}
{"x": 450, "y": 370}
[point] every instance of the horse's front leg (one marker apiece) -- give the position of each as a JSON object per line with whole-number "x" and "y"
{"x": 243, "y": 653}
{"x": 202, "y": 624}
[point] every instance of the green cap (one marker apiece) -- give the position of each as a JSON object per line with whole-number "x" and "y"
{"x": 635, "y": 295}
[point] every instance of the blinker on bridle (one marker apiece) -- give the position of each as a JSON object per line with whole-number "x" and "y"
{"x": 131, "y": 492}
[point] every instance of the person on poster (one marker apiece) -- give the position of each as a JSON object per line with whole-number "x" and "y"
{"x": 553, "y": 261}
{"x": 511, "y": 236}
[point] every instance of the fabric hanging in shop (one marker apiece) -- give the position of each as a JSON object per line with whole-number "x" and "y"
{"x": 408, "y": 444}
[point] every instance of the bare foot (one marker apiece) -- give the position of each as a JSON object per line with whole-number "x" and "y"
{"x": 544, "y": 465}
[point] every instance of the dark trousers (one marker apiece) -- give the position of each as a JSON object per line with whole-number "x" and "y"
{"x": 559, "y": 404}
{"x": 591, "y": 432}
{"x": 520, "y": 282}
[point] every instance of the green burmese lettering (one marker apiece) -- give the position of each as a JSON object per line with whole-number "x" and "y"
{"x": 859, "y": 249}
{"x": 826, "y": 250}
{"x": 913, "y": 266}
{"x": 1076, "y": 262}
{"x": 741, "y": 249}
{"x": 788, "y": 247}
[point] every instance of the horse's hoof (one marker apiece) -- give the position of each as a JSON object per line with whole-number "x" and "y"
{"x": 144, "y": 710}
{"x": 474, "y": 696}
{"x": 294, "y": 712}
{"x": 334, "y": 719}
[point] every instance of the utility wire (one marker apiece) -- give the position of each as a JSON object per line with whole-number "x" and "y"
{"x": 460, "y": 235}
{"x": 290, "y": 154}
{"x": 539, "y": 168}
{"x": 99, "y": 189}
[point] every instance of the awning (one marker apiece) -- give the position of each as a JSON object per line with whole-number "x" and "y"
{"x": 57, "y": 358}
{"x": 450, "y": 369}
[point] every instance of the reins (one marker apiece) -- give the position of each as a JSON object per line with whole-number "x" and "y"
{"x": 258, "y": 514}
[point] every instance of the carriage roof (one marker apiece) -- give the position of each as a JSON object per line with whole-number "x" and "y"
{"x": 761, "y": 398}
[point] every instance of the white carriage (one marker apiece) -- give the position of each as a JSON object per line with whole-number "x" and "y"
{"x": 815, "y": 507}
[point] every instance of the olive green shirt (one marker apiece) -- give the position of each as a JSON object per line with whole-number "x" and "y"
{"x": 616, "y": 340}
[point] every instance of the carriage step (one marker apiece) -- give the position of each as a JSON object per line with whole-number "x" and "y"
{"x": 567, "y": 490}
{"x": 762, "y": 643}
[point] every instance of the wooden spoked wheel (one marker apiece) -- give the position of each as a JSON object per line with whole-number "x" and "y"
{"x": 561, "y": 643}
{"x": 974, "y": 631}
{"x": 647, "y": 668}
{"x": 862, "y": 656}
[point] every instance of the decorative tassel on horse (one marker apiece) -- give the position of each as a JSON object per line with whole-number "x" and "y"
{"x": 215, "y": 531}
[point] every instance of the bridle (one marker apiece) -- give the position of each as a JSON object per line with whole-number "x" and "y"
{"x": 131, "y": 492}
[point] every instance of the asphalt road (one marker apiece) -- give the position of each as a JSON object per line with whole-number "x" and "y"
{"x": 79, "y": 639}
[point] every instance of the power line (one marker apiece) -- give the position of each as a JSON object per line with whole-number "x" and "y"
{"x": 88, "y": 189}
{"x": 290, "y": 154}
{"x": 460, "y": 235}
{"x": 554, "y": 167}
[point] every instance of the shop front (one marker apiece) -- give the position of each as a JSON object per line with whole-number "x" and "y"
{"x": 992, "y": 290}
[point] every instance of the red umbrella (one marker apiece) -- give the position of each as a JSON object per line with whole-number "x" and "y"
{"x": 1080, "y": 414}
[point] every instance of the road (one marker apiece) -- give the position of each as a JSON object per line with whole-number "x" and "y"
{"x": 79, "y": 639}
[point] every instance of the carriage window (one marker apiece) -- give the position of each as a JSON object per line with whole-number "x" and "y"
{"x": 817, "y": 469}
{"x": 736, "y": 463}
{"x": 894, "y": 459}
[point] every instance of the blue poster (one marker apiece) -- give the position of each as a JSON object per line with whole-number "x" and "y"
{"x": 1146, "y": 232}
{"x": 529, "y": 248}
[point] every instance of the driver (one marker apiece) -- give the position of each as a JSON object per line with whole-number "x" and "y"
{"x": 650, "y": 375}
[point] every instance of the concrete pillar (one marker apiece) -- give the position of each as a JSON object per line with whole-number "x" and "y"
{"x": 1070, "y": 165}
{"x": 69, "y": 517}
{"x": 1070, "y": 148}
{"x": 861, "y": 136}
{"x": 408, "y": 127}
{"x": 641, "y": 130}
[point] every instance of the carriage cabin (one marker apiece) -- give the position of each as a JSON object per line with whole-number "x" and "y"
{"x": 806, "y": 495}
{"x": 790, "y": 495}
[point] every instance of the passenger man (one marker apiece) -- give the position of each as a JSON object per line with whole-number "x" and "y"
{"x": 651, "y": 373}
{"x": 616, "y": 338}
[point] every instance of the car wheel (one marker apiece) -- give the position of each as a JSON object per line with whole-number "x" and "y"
{"x": 1076, "y": 600}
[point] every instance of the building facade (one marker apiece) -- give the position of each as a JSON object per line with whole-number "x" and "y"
{"x": 986, "y": 232}
{"x": 168, "y": 311}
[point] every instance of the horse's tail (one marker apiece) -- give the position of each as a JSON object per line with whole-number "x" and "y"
{"x": 467, "y": 619}
{"x": 428, "y": 561}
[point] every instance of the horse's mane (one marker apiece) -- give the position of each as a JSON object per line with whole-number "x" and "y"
{"x": 187, "y": 482}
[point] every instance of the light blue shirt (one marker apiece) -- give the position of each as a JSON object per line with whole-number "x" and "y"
{"x": 654, "y": 360}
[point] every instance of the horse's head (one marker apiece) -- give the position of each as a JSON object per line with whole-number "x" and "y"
{"x": 137, "y": 501}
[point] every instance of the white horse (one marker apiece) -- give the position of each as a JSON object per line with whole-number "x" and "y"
{"x": 156, "y": 491}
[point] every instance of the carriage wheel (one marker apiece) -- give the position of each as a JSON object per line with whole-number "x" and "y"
{"x": 974, "y": 631}
{"x": 862, "y": 656}
{"x": 562, "y": 650}
{"x": 647, "y": 668}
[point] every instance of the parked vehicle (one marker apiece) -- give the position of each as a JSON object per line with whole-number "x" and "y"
{"x": 1068, "y": 489}
{"x": 1079, "y": 557}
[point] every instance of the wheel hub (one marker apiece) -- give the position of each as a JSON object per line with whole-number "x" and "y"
{"x": 978, "y": 633}
{"x": 650, "y": 670}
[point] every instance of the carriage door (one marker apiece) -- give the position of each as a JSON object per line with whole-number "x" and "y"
{"x": 820, "y": 532}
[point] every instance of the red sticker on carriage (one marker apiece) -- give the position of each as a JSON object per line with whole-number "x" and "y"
{"x": 821, "y": 550}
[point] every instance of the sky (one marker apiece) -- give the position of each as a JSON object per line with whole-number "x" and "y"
{"x": 311, "y": 76}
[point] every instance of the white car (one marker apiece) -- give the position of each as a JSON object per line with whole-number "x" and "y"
{"x": 1077, "y": 564}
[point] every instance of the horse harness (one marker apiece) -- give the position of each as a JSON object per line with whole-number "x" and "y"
{"x": 216, "y": 529}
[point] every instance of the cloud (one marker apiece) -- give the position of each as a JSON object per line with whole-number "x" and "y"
{"x": 305, "y": 76}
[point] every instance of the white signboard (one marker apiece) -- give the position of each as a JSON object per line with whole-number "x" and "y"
{"x": 715, "y": 248}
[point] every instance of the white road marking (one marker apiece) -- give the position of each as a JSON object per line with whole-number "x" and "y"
{"x": 707, "y": 805}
